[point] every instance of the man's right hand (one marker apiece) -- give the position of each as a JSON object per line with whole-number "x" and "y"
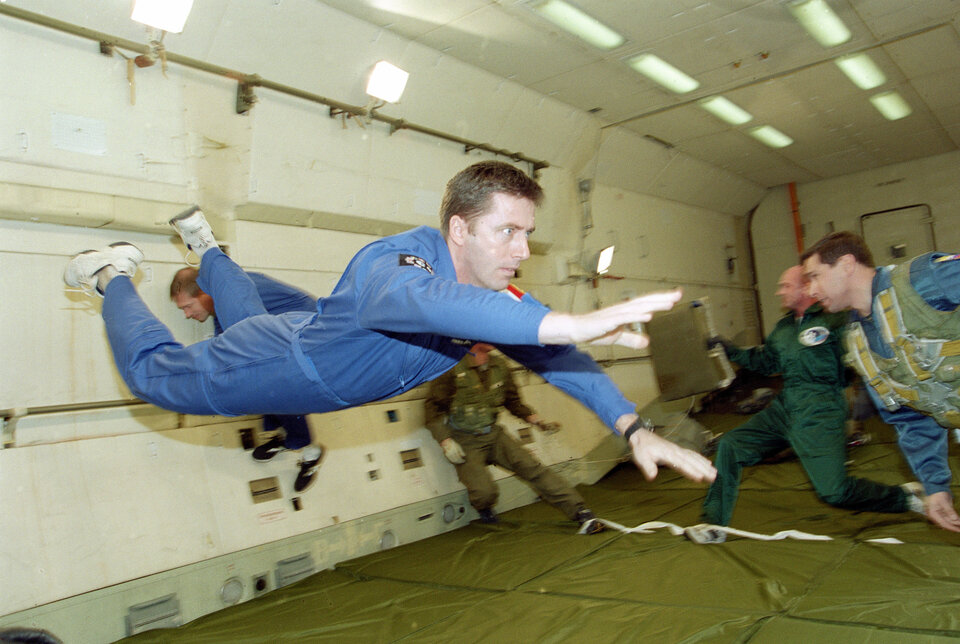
{"x": 609, "y": 325}
{"x": 940, "y": 511}
{"x": 453, "y": 451}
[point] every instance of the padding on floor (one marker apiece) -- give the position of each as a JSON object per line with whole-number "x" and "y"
{"x": 532, "y": 578}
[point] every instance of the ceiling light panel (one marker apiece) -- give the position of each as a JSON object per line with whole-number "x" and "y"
{"x": 820, "y": 21}
{"x": 862, "y": 71}
{"x": 166, "y": 15}
{"x": 726, "y": 110}
{"x": 891, "y": 105}
{"x": 579, "y": 23}
{"x": 387, "y": 82}
{"x": 663, "y": 73}
{"x": 770, "y": 136}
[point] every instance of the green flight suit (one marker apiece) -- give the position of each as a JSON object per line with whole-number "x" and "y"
{"x": 808, "y": 415}
{"x": 463, "y": 405}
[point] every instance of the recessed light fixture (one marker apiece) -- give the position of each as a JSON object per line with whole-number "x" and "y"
{"x": 580, "y": 24}
{"x": 861, "y": 69}
{"x": 771, "y": 136}
{"x": 726, "y": 110}
{"x": 604, "y": 259}
{"x": 387, "y": 82}
{"x": 166, "y": 15}
{"x": 820, "y": 21}
{"x": 663, "y": 73}
{"x": 891, "y": 105}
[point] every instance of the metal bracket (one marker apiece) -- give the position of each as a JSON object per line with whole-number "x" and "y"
{"x": 246, "y": 98}
{"x": 8, "y": 430}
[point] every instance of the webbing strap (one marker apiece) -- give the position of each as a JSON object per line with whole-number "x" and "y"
{"x": 675, "y": 530}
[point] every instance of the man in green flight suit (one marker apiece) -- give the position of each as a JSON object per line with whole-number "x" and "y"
{"x": 461, "y": 413}
{"x": 809, "y": 415}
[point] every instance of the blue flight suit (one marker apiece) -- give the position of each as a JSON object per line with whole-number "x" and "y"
{"x": 397, "y": 318}
{"x": 277, "y": 298}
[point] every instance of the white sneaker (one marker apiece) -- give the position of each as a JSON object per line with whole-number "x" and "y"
{"x": 82, "y": 268}
{"x": 915, "y": 497}
{"x": 705, "y": 533}
{"x": 194, "y": 231}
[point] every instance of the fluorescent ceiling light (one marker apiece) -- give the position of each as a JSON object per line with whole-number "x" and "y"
{"x": 604, "y": 259}
{"x": 580, "y": 24}
{"x": 726, "y": 110}
{"x": 771, "y": 136}
{"x": 820, "y": 21}
{"x": 664, "y": 73}
{"x": 387, "y": 82}
{"x": 167, "y": 15}
{"x": 891, "y": 105}
{"x": 861, "y": 69}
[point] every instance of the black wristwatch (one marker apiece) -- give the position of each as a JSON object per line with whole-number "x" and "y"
{"x": 638, "y": 424}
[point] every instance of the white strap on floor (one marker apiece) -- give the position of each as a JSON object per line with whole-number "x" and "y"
{"x": 650, "y": 526}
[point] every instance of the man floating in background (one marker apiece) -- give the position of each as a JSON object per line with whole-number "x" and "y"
{"x": 277, "y": 297}
{"x": 461, "y": 413}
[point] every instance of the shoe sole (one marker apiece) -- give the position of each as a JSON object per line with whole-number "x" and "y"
{"x": 183, "y": 215}
{"x": 123, "y": 256}
{"x": 313, "y": 478}
{"x": 270, "y": 457}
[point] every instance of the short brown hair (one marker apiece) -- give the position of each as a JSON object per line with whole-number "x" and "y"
{"x": 468, "y": 193}
{"x": 835, "y": 245}
{"x": 185, "y": 281}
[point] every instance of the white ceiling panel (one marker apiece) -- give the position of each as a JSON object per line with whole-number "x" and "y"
{"x": 751, "y": 51}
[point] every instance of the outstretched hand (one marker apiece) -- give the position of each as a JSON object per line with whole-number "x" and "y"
{"x": 940, "y": 511}
{"x": 609, "y": 325}
{"x": 650, "y": 450}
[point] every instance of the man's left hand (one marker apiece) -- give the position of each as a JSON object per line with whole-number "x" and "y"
{"x": 650, "y": 450}
{"x": 940, "y": 511}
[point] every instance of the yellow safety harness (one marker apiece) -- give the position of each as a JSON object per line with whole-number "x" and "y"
{"x": 917, "y": 374}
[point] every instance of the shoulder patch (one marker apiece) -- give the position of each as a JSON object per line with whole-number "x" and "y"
{"x": 413, "y": 260}
{"x": 946, "y": 258}
{"x": 514, "y": 292}
{"x": 813, "y": 336}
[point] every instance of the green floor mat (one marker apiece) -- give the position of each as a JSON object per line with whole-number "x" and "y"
{"x": 532, "y": 578}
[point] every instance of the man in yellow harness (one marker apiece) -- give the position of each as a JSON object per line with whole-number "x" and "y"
{"x": 904, "y": 340}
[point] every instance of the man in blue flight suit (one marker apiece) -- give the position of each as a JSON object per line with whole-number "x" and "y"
{"x": 277, "y": 298}
{"x": 406, "y": 309}
{"x": 904, "y": 341}
{"x": 809, "y": 415}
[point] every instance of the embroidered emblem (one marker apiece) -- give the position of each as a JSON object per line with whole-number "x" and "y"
{"x": 413, "y": 260}
{"x": 813, "y": 336}
{"x": 514, "y": 292}
{"x": 946, "y": 258}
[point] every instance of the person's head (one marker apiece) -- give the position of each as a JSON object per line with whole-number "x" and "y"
{"x": 792, "y": 290}
{"x": 487, "y": 213}
{"x": 839, "y": 270}
{"x": 188, "y": 296}
{"x": 480, "y": 353}
{"x": 469, "y": 192}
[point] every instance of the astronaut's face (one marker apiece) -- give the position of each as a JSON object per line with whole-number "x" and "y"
{"x": 196, "y": 308}
{"x": 827, "y": 283}
{"x": 791, "y": 289}
{"x": 495, "y": 243}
